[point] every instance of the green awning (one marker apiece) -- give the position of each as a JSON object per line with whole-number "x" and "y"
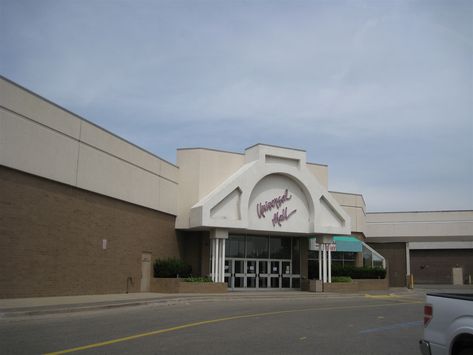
{"x": 348, "y": 244}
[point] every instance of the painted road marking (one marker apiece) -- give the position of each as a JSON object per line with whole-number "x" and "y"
{"x": 404, "y": 325}
{"x": 218, "y": 320}
{"x": 393, "y": 296}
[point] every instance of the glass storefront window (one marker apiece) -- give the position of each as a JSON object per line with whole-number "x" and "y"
{"x": 256, "y": 261}
{"x": 235, "y": 246}
{"x": 257, "y": 247}
{"x": 349, "y": 263}
{"x": 280, "y": 248}
{"x": 367, "y": 258}
{"x": 377, "y": 261}
{"x": 339, "y": 258}
{"x": 313, "y": 254}
{"x": 349, "y": 255}
{"x": 296, "y": 256}
{"x": 371, "y": 258}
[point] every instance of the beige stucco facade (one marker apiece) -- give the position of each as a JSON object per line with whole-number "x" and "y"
{"x": 433, "y": 226}
{"x": 43, "y": 139}
{"x": 206, "y": 195}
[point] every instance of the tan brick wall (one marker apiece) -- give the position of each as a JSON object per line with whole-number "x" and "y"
{"x": 51, "y": 239}
{"x": 191, "y": 251}
{"x": 435, "y": 266}
{"x": 169, "y": 285}
{"x": 395, "y": 254}
{"x": 356, "y": 285}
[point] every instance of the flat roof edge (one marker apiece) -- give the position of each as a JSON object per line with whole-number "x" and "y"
{"x": 210, "y": 149}
{"x": 275, "y": 146}
{"x": 437, "y": 211}
{"x": 84, "y": 119}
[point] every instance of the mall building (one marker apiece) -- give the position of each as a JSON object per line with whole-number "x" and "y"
{"x": 83, "y": 211}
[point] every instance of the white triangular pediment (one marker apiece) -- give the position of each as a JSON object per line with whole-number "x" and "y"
{"x": 228, "y": 208}
{"x": 272, "y": 195}
{"x": 328, "y": 216}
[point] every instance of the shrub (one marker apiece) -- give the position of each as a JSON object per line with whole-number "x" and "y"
{"x": 171, "y": 267}
{"x": 359, "y": 272}
{"x": 341, "y": 279}
{"x": 198, "y": 279}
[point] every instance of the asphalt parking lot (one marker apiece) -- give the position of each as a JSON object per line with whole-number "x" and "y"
{"x": 267, "y": 324}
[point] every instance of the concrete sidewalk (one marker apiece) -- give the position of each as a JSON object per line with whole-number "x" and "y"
{"x": 18, "y": 307}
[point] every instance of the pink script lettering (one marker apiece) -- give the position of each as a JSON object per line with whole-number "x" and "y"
{"x": 262, "y": 208}
{"x": 281, "y": 217}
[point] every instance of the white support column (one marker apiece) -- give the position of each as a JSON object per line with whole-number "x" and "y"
{"x": 220, "y": 261}
{"x": 320, "y": 262}
{"x": 217, "y": 261}
{"x": 408, "y": 260}
{"x": 214, "y": 258}
{"x": 324, "y": 242}
{"x": 223, "y": 260}
{"x": 329, "y": 265}
{"x": 324, "y": 264}
{"x": 217, "y": 275}
{"x": 217, "y": 240}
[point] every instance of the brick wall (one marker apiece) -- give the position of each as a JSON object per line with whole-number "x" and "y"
{"x": 356, "y": 285}
{"x": 435, "y": 266}
{"x": 191, "y": 252}
{"x": 51, "y": 239}
{"x": 395, "y": 254}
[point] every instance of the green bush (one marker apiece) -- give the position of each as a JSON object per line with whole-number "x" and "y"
{"x": 341, "y": 279}
{"x": 198, "y": 279}
{"x": 171, "y": 267}
{"x": 359, "y": 272}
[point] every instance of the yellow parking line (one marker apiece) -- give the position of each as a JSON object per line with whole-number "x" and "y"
{"x": 217, "y": 320}
{"x": 391, "y": 295}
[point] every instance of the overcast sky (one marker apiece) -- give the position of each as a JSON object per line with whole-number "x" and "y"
{"x": 381, "y": 91}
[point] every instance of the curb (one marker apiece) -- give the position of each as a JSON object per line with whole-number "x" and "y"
{"x": 80, "y": 308}
{"x": 76, "y": 308}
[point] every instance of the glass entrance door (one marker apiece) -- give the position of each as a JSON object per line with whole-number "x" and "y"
{"x": 280, "y": 273}
{"x": 263, "y": 274}
{"x": 235, "y": 273}
{"x": 275, "y": 274}
{"x": 259, "y": 274}
{"x": 251, "y": 273}
{"x": 286, "y": 273}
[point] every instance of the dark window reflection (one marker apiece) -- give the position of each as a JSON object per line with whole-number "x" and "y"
{"x": 257, "y": 247}
{"x": 280, "y": 248}
{"x": 339, "y": 258}
{"x": 296, "y": 256}
{"x": 235, "y": 246}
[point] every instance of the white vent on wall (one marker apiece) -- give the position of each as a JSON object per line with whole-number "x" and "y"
{"x": 272, "y": 159}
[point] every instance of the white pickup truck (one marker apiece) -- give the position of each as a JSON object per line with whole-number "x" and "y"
{"x": 448, "y": 324}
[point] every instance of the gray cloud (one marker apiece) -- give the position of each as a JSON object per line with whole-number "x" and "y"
{"x": 380, "y": 91}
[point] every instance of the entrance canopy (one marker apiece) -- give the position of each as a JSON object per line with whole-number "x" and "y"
{"x": 348, "y": 244}
{"x": 274, "y": 192}
{"x": 340, "y": 243}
